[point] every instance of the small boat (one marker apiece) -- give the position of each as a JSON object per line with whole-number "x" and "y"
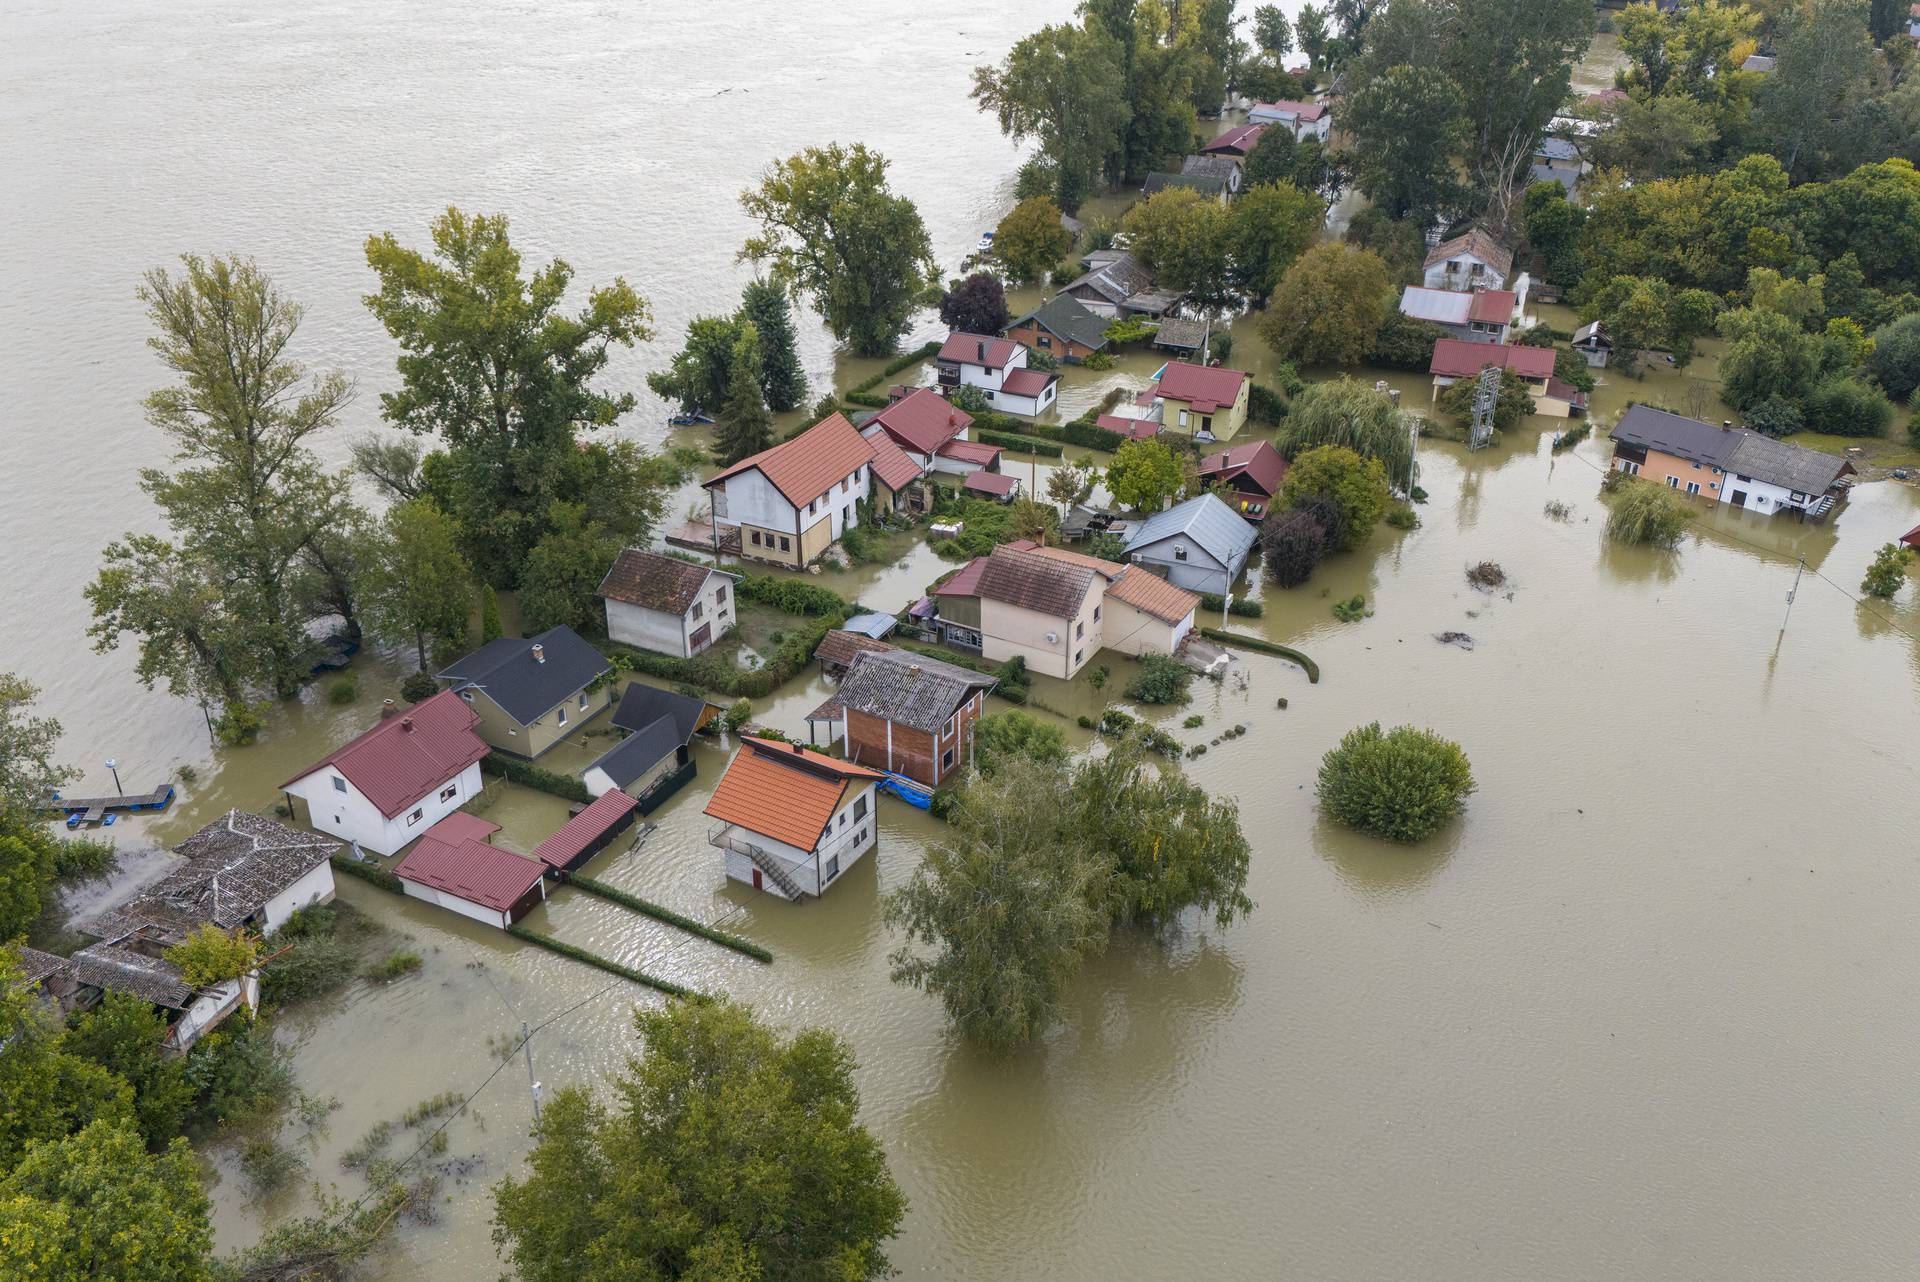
{"x": 986, "y": 243}
{"x": 695, "y": 417}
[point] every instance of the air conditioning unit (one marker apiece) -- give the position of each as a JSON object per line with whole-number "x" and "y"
{"x": 1053, "y": 638}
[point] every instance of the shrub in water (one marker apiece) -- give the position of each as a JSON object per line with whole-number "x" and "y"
{"x": 1161, "y": 680}
{"x": 1404, "y": 784}
{"x": 342, "y": 691}
{"x": 1646, "y": 513}
{"x": 418, "y": 686}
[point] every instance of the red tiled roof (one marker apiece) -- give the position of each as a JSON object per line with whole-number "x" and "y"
{"x": 806, "y": 467}
{"x": 1912, "y": 537}
{"x": 1151, "y": 594}
{"x": 1205, "y": 388}
{"x": 1492, "y": 306}
{"x": 584, "y": 829}
{"x": 839, "y": 646}
{"x": 922, "y": 420}
{"x": 971, "y": 452}
{"x": 783, "y": 791}
{"x": 1044, "y": 584}
{"x": 1304, "y": 110}
{"x": 978, "y": 349}
{"x": 407, "y": 756}
{"x": 1027, "y": 382}
{"x": 1139, "y": 429}
{"x": 450, "y": 858}
{"x": 1566, "y": 392}
{"x": 891, "y": 466}
{"x": 1456, "y": 358}
{"x": 1236, "y": 141}
{"x": 998, "y": 484}
{"x": 1620, "y": 95}
{"x": 1259, "y": 462}
{"x": 967, "y": 581}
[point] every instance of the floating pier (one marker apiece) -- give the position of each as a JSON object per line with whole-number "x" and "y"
{"x": 87, "y": 811}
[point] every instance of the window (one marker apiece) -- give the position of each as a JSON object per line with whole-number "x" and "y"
{"x": 843, "y": 818}
{"x": 1183, "y": 418}
{"x": 1673, "y": 482}
{"x": 846, "y": 516}
{"x": 946, "y": 759}
{"x": 449, "y": 792}
{"x": 844, "y": 485}
{"x": 1693, "y": 487}
{"x": 1096, "y": 614}
{"x": 1079, "y": 655}
{"x": 720, "y": 595}
{"x": 1696, "y": 467}
{"x": 1045, "y": 342}
{"x": 1179, "y": 551}
{"x": 1206, "y": 422}
{"x": 339, "y": 784}
{"x": 1630, "y": 467}
{"x": 467, "y": 695}
{"x": 583, "y": 701}
{"x": 1798, "y": 497}
{"x": 756, "y": 538}
{"x": 860, "y": 808}
{"x": 1079, "y": 631}
{"x": 786, "y": 544}
{"x": 563, "y": 714}
{"x": 833, "y": 867}
{"x": 698, "y": 610}
{"x": 414, "y": 818}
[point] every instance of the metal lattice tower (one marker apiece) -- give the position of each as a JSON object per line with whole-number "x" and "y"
{"x": 1486, "y": 394}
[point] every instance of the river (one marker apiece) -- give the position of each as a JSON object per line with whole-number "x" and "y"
{"x": 1647, "y": 1011}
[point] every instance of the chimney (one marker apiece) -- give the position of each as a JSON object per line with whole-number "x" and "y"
{"x": 913, "y": 669}
{"x": 387, "y": 709}
{"x": 799, "y": 750}
{"x": 406, "y": 725}
{"x": 1726, "y": 425}
{"x": 981, "y": 347}
{"x": 539, "y": 653}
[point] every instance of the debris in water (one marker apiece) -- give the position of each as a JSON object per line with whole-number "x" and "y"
{"x": 1460, "y": 639}
{"x": 1487, "y": 574}
{"x": 1282, "y": 705}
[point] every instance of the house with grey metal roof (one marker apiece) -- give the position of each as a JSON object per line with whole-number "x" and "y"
{"x": 909, "y": 714}
{"x": 1117, "y": 285}
{"x": 1200, "y": 545}
{"x": 531, "y": 692}
{"x": 1728, "y": 464}
{"x": 659, "y": 726}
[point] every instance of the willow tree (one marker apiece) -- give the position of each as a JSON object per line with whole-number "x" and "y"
{"x": 831, "y": 229}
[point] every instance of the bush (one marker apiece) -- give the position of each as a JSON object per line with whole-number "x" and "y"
{"x": 313, "y": 953}
{"x": 595, "y": 960}
{"x": 1161, "y": 680}
{"x": 1016, "y": 737}
{"x": 1402, "y": 518}
{"x": 1844, "y": 406}
{"x": 1265, "y": 406}
{"x": 394, "y": 965}
{"x": 239, "y": 724}
{"x": 739, "y": 714}
{"x": 237, "y": 1072}
{"x": 1887, "y": 573}
{"x": 528, "y": 775}
{"x": 1896, "y": 356}
{"x": 266, "y": 1165}
{"x": 1572, "y": 436}
{"x": 1776, "y": 417}
{"x": 84, "y": 857}
{"x": 1404, "y": 784}
{"x": 1351, "y": 610}
{"x": 1646, "y": 513}
{"x": 1023, "y": 444}
{"x": 1264, "y": 646}
{"x": 625, "y": 899}
{"x": 1405, "y": 343}
{"x": 416, "y": 687}
{"x": 1241, "y": 608}
{"x": 1292, "y": 545}
{"x": 791, "y": 596}
{"x": 367, "y": 872}
{"x": 342, "y": 691}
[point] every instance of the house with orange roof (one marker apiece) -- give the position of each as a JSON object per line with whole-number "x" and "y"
{"x": 792, "y": 502}
{"x": 791, "y": 820}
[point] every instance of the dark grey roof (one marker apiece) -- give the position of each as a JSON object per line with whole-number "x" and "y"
{"x": 1067, "y": 317}
{"x": 1216, "y": 528}
{"x": 1780, "y": 463}
{"x": 36, "y": 965}
{"x": 234, "y": 866}
{"x": 1567, "y": 176}
{"x": 908, "y": 689}
{"x": 121, "y": 970}
{"x": 527, "y": 690}
{"x": 1675, "y": 434}
{"x": 1221, "y": 167}
{"x": 642, "y": 705}
{"x": 1187, "y": 333}
{"x": 1557, "y": 149}
{"x": 1117, "y": 280}
{"x": 639, "y": 752}
{"x": 1205, "y": 184}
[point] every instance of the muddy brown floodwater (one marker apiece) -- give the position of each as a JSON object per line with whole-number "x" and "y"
{"x": 1647, "y": 1011}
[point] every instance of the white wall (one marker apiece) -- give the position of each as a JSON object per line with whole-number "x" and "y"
{"x": 316, "y": 887}
{"x": 1131, "y": 631}
{"x": 845, "y": 838}
{"x": 655, "y": 630}
{"x": 1200, "y": 572}
{"x": 753, "y": 500}
{"x": 453, "y": 903}
{"x": 349, "y": 815}
{"x": 1762, "y": 496}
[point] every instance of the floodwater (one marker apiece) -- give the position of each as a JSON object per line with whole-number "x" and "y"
{"x": 1647, "y": 1011}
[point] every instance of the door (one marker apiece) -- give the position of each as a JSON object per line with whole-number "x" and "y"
{"x": 1739, "y": 498}
{"x": 756, "y": 879}
{"x": 702, "y": 637}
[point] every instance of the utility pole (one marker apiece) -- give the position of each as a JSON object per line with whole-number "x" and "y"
{"x": 526, "y": 1045}
{"x": 1792, "y": 591}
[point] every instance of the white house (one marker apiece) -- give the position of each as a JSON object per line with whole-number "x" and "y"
{"x": 457, "y": 868}
{"x": 1479, "y": 316}
{"x": 1200, "y": 545}
{"x": 792, "y": 820}
{"x": 933, "y": 434}
{"x": 1472, "y": 261}
{"x": 664, "y": 604}
{"x": 387, "y": 786}
{"x": 1301, "y": 119}
{"x": 790, "y": 503}
{"x": 998, "y": 367}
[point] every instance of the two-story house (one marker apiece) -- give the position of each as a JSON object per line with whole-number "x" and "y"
{"x": 790, "y": 503}
{"x": 1303, "y": 120}
{"x": 1727, "y": 464}
{"x": 1202, "y": 401}
{"x": 792, "y": 821}
{"x": 532, "y": 692}
{"x": 998, "y": 367}
{"x": 908, "y": 714}
{"x": 1057, "y": 609}
{"x": 664, "y": 604}
{"x": 1062, "y": 327}
{"x": 1201, "y": 545}
{"x": 1469, "y": 262}
{"x": 1476, "y": 316}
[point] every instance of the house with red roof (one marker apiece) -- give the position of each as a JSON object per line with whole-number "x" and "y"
{"x": 1454, "y": 360}
{"x": 1250, "y": 474}
{"x": 384, "y": 788}
{"x": 1303, "y": 120}
{"x": 791, "y": 503}
{"x": 456, "y": 866}
{"x": 1206, "y": 402}
{"x": 792, "y": 820}
{"x": 1237, "y": 141}
{"x": 998, "y": 367}
{"x": 932, "y": 432}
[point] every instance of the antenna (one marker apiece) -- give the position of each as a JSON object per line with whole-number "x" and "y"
{"x": 1486, "y": 394}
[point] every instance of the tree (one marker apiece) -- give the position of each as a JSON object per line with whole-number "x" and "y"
{"x": 1003, "y": 909}
{"x": 1896, "y": 356}
{"x": 1144, "y": 475}
{"x": 392, "y": 463}
{"x": 419, "y": 586}
{"x": 969, "y": 399}
{"x": 491, "y": 364}
{"x": 1403, "y": 342}
{"x": 726, "y": 1151}
{"x": 1328, "y": 307}
{"x": 28, "y": 771}
{"x": 1169, "y": 845}
{"x": 1645, "y": 513}
{"x": 1804, "y": 108}
{"x": 1071, "y": 483}
{"x": 1355, "y": 487}
{"x": 1064, "y": 87}
{"x": 1656, "y": 137}
{"x": 26, "y": 873}
{"x": 1271, "y": 31}
{"x": 1183, "y": 238}
{"x": 1842, "y": 405}
{"x": 1552, "y": 226}
{"x": 1030, "y": 519}
{"x": 95, "y": 1205}
{"x": 1404, "y": 784}
{"x": 490, "y": 628}
{"x": 1512, "y": 404}
{"x": 46, "y": 1092}
{"x": 701, "y": 372}
{"x": 1642, "y": 313}
{"x": 123, "y": 1035}
{"x": 1310, "y": 27}
{"x": 1346, "y": 412}
{"x": 1888, "y": 573}
{"x": 174, "y": 600}
{"x": 1292, "y": 545}
{"x": 1268, "y": 228}
{"x": 565, "y": 568}
{"x": 1014, "y": 736}
{"x": 830, "y": 228}
{"x": 1768, "y": 356}
{"x": 1407, "y": 126}
{"x": 782, "y": 382}
{"x": 211, "y": 955}
{"x": 977, "y": 305}
{"x": 746, "y": 427}
{"x": 1031, "y": 240}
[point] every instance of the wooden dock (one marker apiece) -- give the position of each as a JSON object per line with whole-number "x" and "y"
{"x": 87, "y": 811}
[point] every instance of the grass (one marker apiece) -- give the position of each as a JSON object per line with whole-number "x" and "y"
{"x": 368, "y": 1147}
{"x": 431, "y": 1107}
{"x": 394, "y": 965}
{"x": 1880, "y": 451}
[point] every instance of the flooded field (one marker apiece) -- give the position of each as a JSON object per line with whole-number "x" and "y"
{"x": 1647, "y": 1011}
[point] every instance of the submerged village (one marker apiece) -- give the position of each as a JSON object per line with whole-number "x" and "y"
{"x": 765, "y": 839}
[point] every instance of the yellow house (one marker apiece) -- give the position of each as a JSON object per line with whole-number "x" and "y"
{"x": 532, "y": 692}
{"x": 1200, "y": 399}
{"x": 791, "y": 503}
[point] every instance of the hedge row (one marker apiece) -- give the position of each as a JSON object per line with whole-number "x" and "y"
{"x": 1241, "y": 607}
{"x": 791, "y": 596}
{"x": 368, "y": 873}
{"x": 1024, "y": 444}
{"x": 1265, "y": 406}
{"x": 594, "y": 886}
{"x": 862, "y": 393}
{"x": 528, "y": 775}
{"x": 1264, "y": 646}
{"x": 553, "y": 945}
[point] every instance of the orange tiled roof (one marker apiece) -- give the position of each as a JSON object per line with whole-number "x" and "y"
{"x": 1151, "y": 594}
{"x": 1106, "y": 569}
{"x": 782, "y": 791}
{"x": 806, "y": 467}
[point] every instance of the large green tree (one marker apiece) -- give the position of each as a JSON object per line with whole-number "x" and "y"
{"x": 1656, "y": 137}
{"x": 1065, "y": 88}
{"x": 1407, "y": 125}
{"x": 1328, "y": 307}
{"x": 830, "y": 228}
{"x": 1184, "y": 238}
{"x": 192, "y": 635}
{"x": 745, "y": 426}
{"x": 28, "y": 770}
{"x": 1031, "y": 240}
{"x": 1805, "y": 108}
{"x": 701, "y": 372}
{"x": 725, "y": 1152}
{"x": 1344, "y": 411}
{"x": 1268, "y": 228}
{"x": 783, "y": 383}
{"x": 565, "y": 568}
{"x": 46, "y": 1091}
{"x": 492, "y": 364}
{"x": 1355, "y": 486}
{"x": 1144, "y": 475}
{"x": 419, "y": 587}
{"x": 123, "y": 1035}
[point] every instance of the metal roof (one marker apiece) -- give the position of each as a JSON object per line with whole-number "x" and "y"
{"x": 1793, "y": 467}
{"x": 1216, "y": 528}
{"x": 1441, "y": 306}
{"x": 527, "y": 687}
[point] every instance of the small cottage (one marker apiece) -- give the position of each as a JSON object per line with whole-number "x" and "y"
{"x": 659, "y": 727}
{"x": 1200, "y": 545}
{"x": 456, "y": 866}
{"x": 792, "y": 821}
{"x": 1201, "y": 401}
{"x": 1480, "y": 316}
{"x": 385, "y": 787}
{"x": 1062, "y": 327}
{"x": 532, "y": 692}
{"x": 665, "y": 604}
{"x": 1593, "y": 342}
{"x": 1250, "y": 473}
{"x": 998, "y": 367}
{"x": 1237, "y": 141}
{"x": 909, "y": 714}
{"x": 1472, "y": 261}
{"x": 838, "y": 649}
{"x": 1115, "y": 285}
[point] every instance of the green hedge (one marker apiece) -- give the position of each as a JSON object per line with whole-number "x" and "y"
{"x": 369, "y": 873}
{"x": 1024, "y": 444}
{"x": 528, "y": 775}
{"x": 1265, "y": 647}
{"x": 553, "y": 945}
{"x": 672, "y": 918}
{"x": 791, "y": 596}
{"x": 1243, "y": 608}
{"x": 1265, "y": 406}
{"x": 714, "y": 672}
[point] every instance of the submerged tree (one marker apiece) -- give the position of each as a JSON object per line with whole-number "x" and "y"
{"x": 1888, "y": 572}
{"x": 1354, "y": 488}
{"x": 831, "y": 228}
{"x": 28, "y": 771}
{"x": 1645, "y": 513}
{"x": 1404, "y": 784}
{"x": 701, "y": 372}
{"x": 1031, "y": 240}
{"x": 1064, "y": 86}
{"x": 1329, "y": 306}
{"x": 419, "y": 586}
{"x": 977, "y": 305}
{"x": 726, "y": 1151}
{"x": 1344, "y": 411}
{"x": 746, "y": 427}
